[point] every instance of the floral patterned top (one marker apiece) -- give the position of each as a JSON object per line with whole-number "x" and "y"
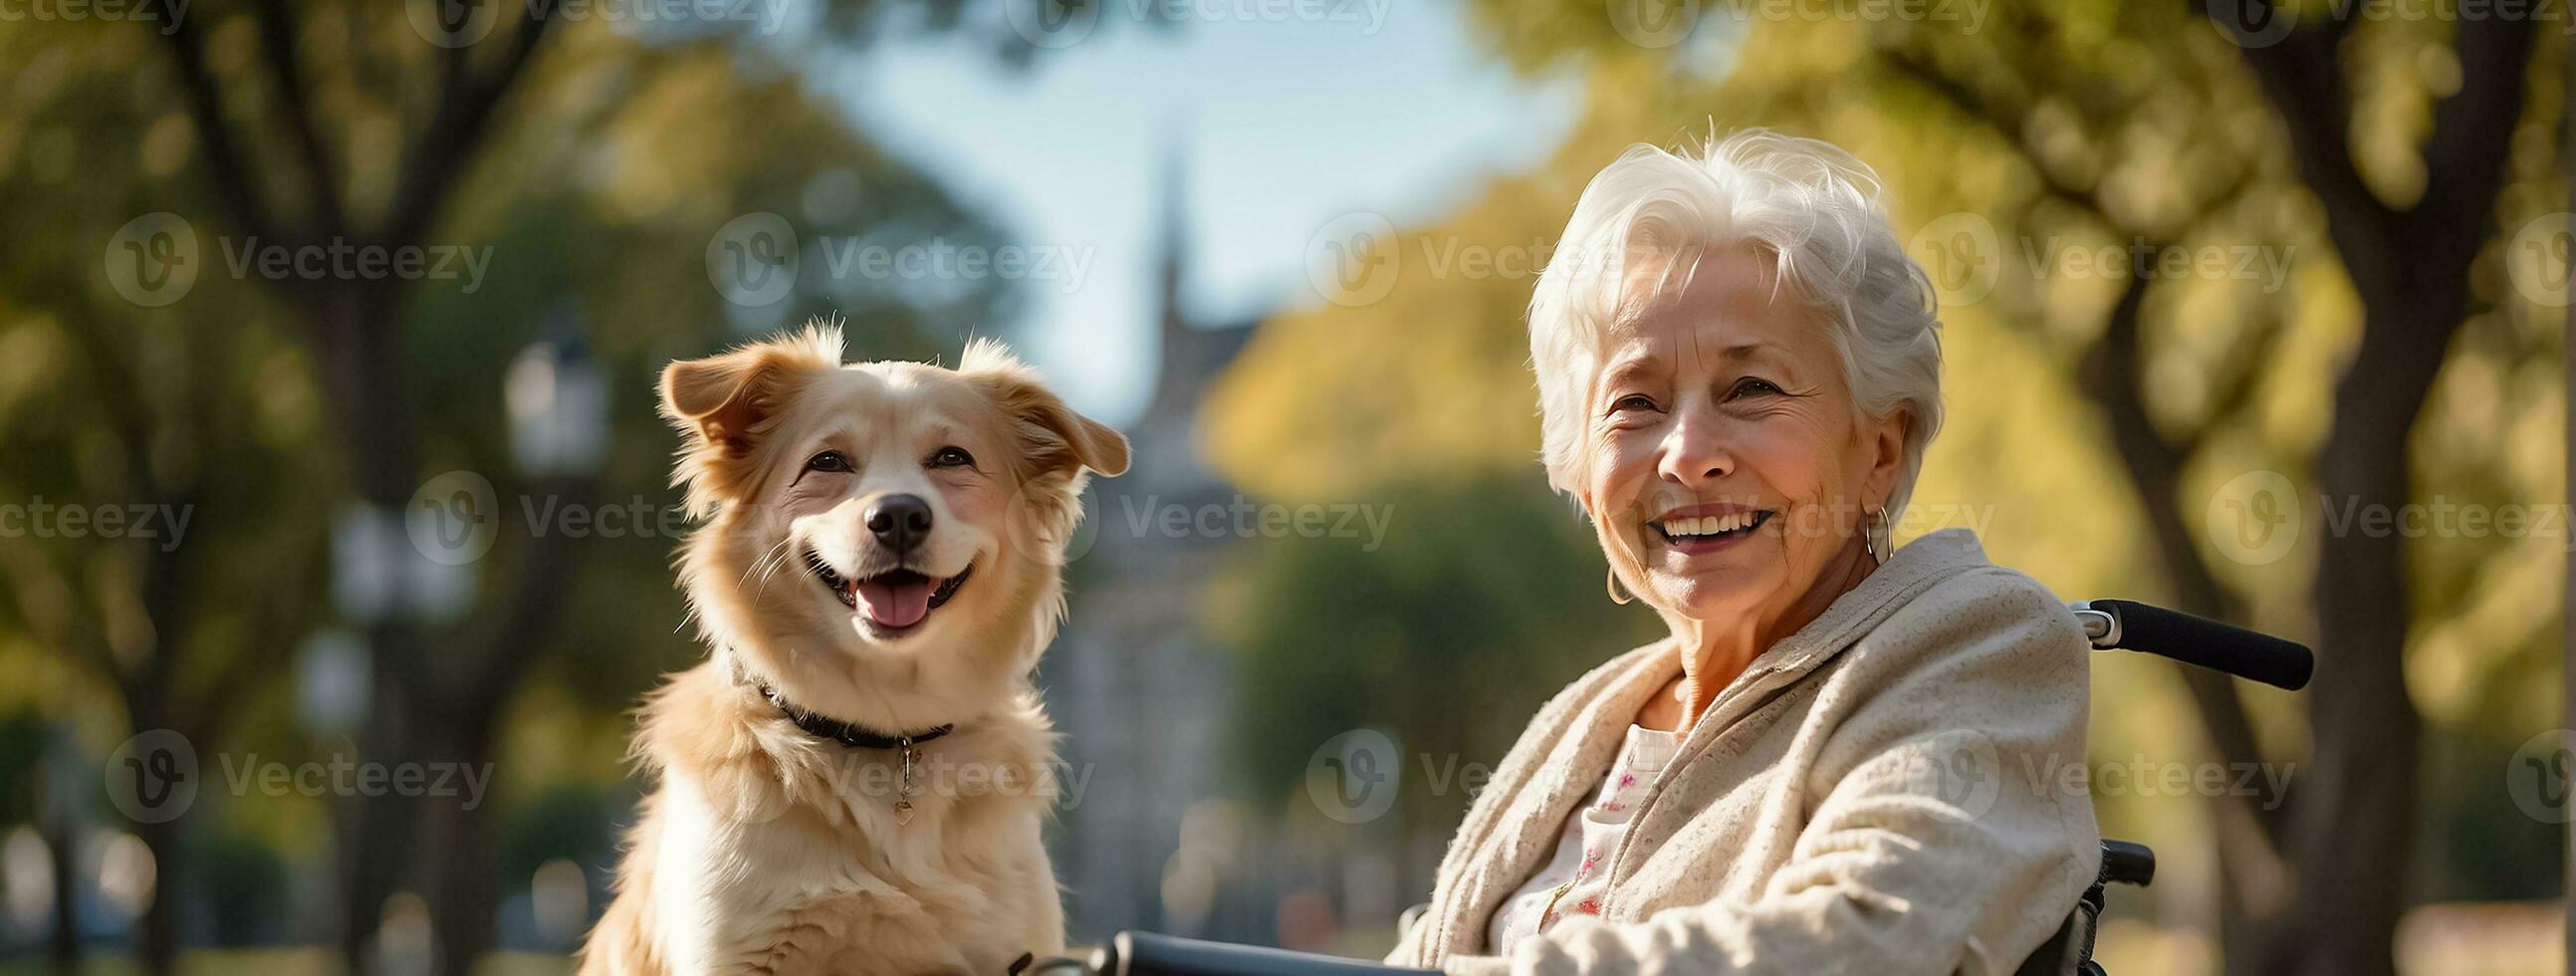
{"x": 1573, "y": 881}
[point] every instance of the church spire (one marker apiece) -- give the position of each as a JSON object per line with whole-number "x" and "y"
{"x": 1173, "y": 240}
{"x": 1175, "y": 339}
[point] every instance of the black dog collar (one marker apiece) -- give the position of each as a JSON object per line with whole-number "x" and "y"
{"x": 846, "y": 733}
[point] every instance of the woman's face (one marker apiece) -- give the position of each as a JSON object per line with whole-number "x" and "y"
{"x": 1726, "y": 456}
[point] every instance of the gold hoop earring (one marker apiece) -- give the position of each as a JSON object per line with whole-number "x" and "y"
{"x": 1616, "y": 596}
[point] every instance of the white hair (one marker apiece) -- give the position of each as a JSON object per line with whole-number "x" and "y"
{"x": 1809, "y": 206}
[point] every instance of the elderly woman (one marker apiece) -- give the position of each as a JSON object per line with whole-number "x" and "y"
{"x": 1847, "y": 757}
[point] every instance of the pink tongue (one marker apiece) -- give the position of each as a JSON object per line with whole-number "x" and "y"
{"x": 896, "y": 605}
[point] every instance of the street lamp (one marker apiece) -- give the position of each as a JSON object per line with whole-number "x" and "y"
{"x": 558, "y": 402}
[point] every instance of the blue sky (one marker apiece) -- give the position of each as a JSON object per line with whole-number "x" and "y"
{"x": 1284, "y": 125}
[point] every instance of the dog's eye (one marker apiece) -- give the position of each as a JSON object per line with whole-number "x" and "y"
{"x": 951, "y": 457}
{"x": 829, "y": 461}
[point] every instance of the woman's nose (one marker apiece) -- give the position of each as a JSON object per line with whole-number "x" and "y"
{"x": 1694, "y": 453}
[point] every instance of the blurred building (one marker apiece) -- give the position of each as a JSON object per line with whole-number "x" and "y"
{"x": 1141, "y": 694}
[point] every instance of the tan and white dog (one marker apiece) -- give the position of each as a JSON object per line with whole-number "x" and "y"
{"x": 856, "y": 778}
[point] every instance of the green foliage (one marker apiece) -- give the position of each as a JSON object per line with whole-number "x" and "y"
{"x": 611, "y": 163}
{"x": 1486, "y": 598}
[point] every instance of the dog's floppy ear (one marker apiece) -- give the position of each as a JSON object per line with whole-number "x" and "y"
{"x": 1054, "y": 440}
{"x": 722, "y": 405}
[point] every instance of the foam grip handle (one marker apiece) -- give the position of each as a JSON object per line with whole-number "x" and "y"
{"x": 2210, "y": 644}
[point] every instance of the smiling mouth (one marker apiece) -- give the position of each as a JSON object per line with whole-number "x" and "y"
{"x": 1710, "y": 527}
{"x": 892, "y": 602}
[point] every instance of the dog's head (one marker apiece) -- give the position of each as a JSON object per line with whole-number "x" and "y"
{"x": 883, "y": 541}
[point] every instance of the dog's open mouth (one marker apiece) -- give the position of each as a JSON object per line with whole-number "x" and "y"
{"x": 894, "y": 601}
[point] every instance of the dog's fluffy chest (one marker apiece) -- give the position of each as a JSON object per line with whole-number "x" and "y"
{"x": 958, "y": 889}
{"x": 768, "y": 850}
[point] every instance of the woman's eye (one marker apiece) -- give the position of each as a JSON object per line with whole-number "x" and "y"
{"x": 1751, "y": 386}
{"x": 828, "y": 461}
{"x": 951, "y": 457}
{"x": 1634, "y": 402}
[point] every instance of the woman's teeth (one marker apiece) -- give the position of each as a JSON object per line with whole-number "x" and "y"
{"x": 1709, "y": 526}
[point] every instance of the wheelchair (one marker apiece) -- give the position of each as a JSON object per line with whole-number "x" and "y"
{"x": 2108, "y": 625}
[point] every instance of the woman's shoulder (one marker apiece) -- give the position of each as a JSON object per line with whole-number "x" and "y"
{"x": 1985, "y": 649}
{"x": 1982, "y": 615}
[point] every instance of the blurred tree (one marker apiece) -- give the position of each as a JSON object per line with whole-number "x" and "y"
{"x": 350, "y": 125}
{"x": 2407, "y": 226}
{"x": 1447, "y": 638}
{"x": 151, "y": 418}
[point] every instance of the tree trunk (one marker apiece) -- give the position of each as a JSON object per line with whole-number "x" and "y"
{"x": 157, "y": 943}
{"x": 62, "y": 833}
{"x": 2355, "y": 827}
{"x": 375, "y": 831}
{"x": 365, "y": 381}
{"x": 462, "y": 890}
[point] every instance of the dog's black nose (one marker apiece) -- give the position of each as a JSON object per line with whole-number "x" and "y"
{"x": 900, "y": 522}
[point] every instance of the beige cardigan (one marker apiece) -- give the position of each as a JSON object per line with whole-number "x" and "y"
{"x": 1884, "y": 791}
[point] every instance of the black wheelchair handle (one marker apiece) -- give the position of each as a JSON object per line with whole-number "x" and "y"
{"x": 1148, "y": 954}
{"x": 2206, "y": 643}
